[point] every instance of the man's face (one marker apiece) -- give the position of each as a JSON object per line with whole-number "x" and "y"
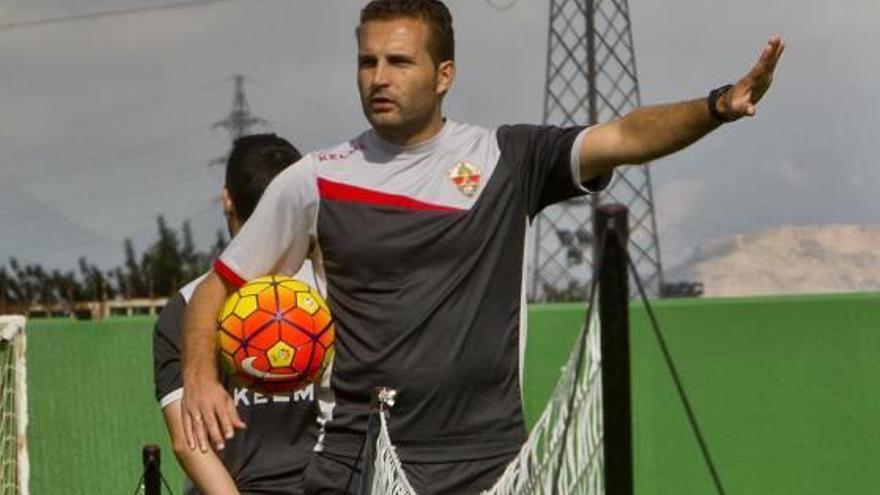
{"x": 401, "y": 87}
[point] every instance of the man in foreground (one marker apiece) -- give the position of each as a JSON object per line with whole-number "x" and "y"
{"x": 422, "y": 224}
{"x": 270, "y": 457}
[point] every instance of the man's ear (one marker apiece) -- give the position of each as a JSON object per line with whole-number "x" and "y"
{"x": 232, "y": 220}
{"x": 445, "y": 76}
{"x": 228, "y": 207}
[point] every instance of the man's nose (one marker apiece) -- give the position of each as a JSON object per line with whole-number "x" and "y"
{"x": 380, "y": 75}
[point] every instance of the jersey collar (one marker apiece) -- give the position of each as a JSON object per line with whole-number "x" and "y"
{"x": 414, "y": 149}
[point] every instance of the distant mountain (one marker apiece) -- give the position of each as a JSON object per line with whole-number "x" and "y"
{"x": 787, "y": 260}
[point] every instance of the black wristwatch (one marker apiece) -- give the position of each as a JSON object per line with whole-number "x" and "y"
{"x": 712, "y": 101}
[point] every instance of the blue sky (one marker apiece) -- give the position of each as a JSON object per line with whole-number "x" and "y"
{"x": 107, "y": 121}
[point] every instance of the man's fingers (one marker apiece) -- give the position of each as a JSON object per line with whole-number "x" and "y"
{"x": 776, "y": 47}
{"x": 228, "y": 419}
{"x": 188, "y": 430}
{"x": 210, "y": 420}
{"x": 237, "y": 422}
{"x": 200, "y": 432}
{"x": 225, "y": 423}
{"x": 756, "y": 83}
{"x": 771, "y": 54}
{"x": 766, "y": 63}
{"x": 778, "y": 55}
{"x": 213, "y": 427}
{"x": 211, "y": 417}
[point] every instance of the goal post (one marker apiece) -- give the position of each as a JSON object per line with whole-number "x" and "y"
{"x": 14, "y": 467}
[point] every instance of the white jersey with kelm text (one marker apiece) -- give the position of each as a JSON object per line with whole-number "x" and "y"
{"x": 271, "y": 455}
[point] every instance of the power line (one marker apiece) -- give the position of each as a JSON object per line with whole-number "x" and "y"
{"x": 106, "y": 13}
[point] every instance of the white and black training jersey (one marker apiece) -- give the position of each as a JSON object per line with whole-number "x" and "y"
{"x": 270, "y": 456}
{"x": 423, "y": 248}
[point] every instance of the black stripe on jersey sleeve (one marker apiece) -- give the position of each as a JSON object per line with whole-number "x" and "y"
{"x": 167, "y": 344}
{"x": 541, "y": 156}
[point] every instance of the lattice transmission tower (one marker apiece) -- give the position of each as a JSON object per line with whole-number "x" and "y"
{"x": 591, "y": 78}
{"x": 240, "y": 120}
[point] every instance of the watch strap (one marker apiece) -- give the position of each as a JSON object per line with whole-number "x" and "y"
{"x": 712, "y": 102}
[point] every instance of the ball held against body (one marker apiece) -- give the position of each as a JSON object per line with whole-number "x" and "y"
{"x": 275, "y": 335}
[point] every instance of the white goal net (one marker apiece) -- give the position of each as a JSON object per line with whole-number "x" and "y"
{"x": 13, "y": 407}
{"x": 564, "y": 451}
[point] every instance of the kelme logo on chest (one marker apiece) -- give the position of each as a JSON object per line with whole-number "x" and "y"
{"x": 466, "y": 177}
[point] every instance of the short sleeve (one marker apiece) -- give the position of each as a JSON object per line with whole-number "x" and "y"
{"x": 275, "y": 239}
{"x": 546, "y": 162}
{"x": 166, "y": 351}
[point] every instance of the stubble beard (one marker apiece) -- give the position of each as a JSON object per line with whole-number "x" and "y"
{"x": 399, "y": 125}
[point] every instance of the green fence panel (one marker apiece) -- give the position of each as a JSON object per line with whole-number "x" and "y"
{"x": 785, "y": 390}
{"x": 91, "y": 403}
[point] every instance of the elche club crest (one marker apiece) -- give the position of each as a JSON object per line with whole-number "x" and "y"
{"x": 466, "y": 177}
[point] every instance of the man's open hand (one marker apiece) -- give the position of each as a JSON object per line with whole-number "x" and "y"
{"x": 209, "y": 414}
{"x": 741, "y": 99}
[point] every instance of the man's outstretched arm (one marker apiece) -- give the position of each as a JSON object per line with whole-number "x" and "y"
{"x": 652, "y": 132}
{"x": 209, "y": 412}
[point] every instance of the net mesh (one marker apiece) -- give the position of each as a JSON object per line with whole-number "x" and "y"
{"x": 13, "y": 453}
{"x": 388, "y": 475}
{"x": 564, "y": 451}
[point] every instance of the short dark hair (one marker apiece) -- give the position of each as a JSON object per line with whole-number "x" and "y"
{"x": 434, "y": 12}
{"x": 253, "y": 162}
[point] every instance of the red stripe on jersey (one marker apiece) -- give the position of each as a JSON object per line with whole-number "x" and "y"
{"x": 336, "y": 191}
{"x": 228, "y": 275}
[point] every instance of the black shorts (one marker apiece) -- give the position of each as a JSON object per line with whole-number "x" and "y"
{"x": 329, "y": 474}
